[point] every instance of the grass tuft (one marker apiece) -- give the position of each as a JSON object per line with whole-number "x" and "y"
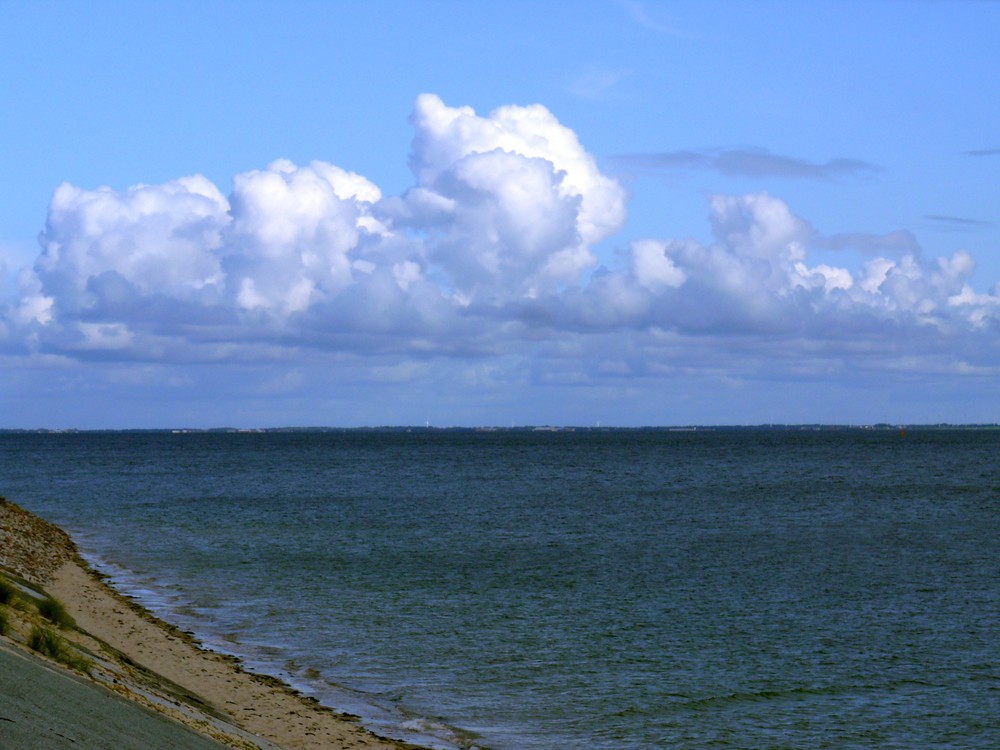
{"x": 4, "y": 622}
{"x": 55, "y": 613}
{"x": 48, "y": 642}
{"x": 8, "y": 592}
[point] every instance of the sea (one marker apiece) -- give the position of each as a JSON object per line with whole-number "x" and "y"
{"x": 592, "y": 589}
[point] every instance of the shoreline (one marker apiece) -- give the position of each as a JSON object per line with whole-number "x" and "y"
{"x": 154, "y": 664}
{"x": 273, "y": 660}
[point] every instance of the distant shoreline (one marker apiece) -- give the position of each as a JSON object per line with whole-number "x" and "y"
{"x": 540, "y": 428}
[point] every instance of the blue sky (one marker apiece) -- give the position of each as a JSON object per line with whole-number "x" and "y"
{"x": 324, "y": 213}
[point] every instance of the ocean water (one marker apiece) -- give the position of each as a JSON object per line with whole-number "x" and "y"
{"x": 602, "y": 590}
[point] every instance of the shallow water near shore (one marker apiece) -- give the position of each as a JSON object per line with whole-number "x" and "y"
{"x": 620, "y": 589}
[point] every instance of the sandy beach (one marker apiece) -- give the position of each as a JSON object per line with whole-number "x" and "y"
{"x": 135, "y": 656}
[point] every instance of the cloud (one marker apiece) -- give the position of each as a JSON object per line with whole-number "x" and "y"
{"x": 959, "y": 221}
{"x": 292, "y": 232}
{"x": 596, "y": 81}
{"x": 158, "y": 238}
{"x": 753, "y": 163}
{"x": 755, "y": 281}
{"x": 510, "y": 203}
{"x": 486, "y": 260}
{"x": 446, "y": 138}
{"x": 983, "y": 152}
{"x": 896, "y": 243}
{"x": 648, "y": 17}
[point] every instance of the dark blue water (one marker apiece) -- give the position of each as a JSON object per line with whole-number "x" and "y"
{"x": 632, "y": 589}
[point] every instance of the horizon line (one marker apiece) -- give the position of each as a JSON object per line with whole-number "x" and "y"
{"x": 539, "y": 427}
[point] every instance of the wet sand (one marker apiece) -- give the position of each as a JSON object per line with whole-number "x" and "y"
{"x": 153, "y": 664}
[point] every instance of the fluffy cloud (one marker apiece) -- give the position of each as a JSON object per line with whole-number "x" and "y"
{"x": 445, "y": 136}
{"x": 511, "y": 203}
{"x": 179, "y": 264}
{"x": 489, "y": 253}
{"x": 292, "y": 233}
{"x": 753, "y": 294}
{"x": 158, "y": 238}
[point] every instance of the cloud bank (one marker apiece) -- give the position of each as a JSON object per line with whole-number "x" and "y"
{"x": 489, "y": 254}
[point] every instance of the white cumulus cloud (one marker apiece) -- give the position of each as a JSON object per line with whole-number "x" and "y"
{"x": 756, "y": 278}
{"x": 490, "y": 253}
{"x": 513, "y": 202}
{"x": 159, "y": 238}
{"x": 292, "y": 232}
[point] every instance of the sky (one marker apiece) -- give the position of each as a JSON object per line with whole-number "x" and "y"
{"x": 610, "y": 212}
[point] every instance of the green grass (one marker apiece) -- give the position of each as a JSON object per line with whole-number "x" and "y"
{"x": 55, "y": 613}
{"x": 4, "y": 623}
{"x": 8, "y": 592}
{"x": 48, "y": 642}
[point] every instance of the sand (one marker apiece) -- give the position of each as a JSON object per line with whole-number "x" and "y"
{"x": 153, "y": 664}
